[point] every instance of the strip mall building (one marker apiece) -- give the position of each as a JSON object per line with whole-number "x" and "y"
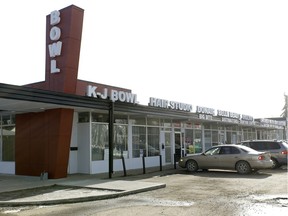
{"x": 64, "y": 125}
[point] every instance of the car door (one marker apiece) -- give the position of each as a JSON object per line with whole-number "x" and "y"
{"x": 228, "y": 156}
{"x": 209, "y": 160}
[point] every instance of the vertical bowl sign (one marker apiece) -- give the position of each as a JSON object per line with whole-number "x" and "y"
{"x": 55, "y": 34}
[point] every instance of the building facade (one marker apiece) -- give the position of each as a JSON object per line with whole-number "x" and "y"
{"x": 64, "y": 125}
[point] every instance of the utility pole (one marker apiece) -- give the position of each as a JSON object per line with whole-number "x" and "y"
{"x": 111, "y": 138}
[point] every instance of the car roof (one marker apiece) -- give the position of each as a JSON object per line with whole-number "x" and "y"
{"x": 263, "y": 140}
{"x": 245, "y": 148}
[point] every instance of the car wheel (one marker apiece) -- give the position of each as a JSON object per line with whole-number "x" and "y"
{"x": 192, "y": 166}
{"x": 243, "y": 167}
{"x": 275, "y": 163}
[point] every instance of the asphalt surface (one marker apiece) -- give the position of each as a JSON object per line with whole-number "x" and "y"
{"x": 18, "y": 190}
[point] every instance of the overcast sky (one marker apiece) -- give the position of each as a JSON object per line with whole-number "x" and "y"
{"x": 222, "y": 54}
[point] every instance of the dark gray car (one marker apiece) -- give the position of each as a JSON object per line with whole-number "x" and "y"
{"x": 277, "y": 148}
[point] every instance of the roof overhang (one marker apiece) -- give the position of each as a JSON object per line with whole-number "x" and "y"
{"x": 20, "y": 99}
{"x": 23, "y": 99}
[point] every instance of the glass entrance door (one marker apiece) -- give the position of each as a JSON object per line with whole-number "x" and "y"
{"x": 177, "y": 137}
{"x": 169, "y": 148}
{"x": 168, "y": 153}
{"x": 178, "y": 145}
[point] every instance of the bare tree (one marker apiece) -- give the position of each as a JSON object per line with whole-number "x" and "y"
{"x": 285, "y": 108}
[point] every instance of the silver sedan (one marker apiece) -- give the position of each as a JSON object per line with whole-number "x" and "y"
{"x": 228, "y": 157}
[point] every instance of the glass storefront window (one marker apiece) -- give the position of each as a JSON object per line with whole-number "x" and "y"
{"x": 234, "y": 137}
{"x": 137, "y": 120}
{"x": 7, "y": 139}
{"x": 189, "y": 141}
{"x": 166, "y": 123}
{"x": 100, "y": 142}
{"x": 221, "y": 137}
{"x": 138, "y": 141}
{"x": 215, "y": 138}
{"x": 239, "y": 136}
{"x": 208, "y": 139}
{"x": 83, "y": 117}
{"x": 120, "y": 141}
{"x": 249, "y": 134}
{"x": 176, "y": 124}
{"x": 198, "y": 141}
{"x": 153, "y": 121}
{"x": 214, "y": 126}
{"x": 228, "y": 137}
{"x": 207, "y": 125}
{"x": 188, "y": 125}
{"x": 7, "y": 120}
{"x": 153, "y": 141}
{"x": 121, "y": 119}
{"x": 100, "y": 117}
{"x": 13, "y": 119}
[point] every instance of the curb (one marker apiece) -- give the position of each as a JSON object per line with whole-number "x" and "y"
{"x": 80, "y": 199}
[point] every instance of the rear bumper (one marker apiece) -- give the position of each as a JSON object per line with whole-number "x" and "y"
{"x": 267, "y": 164}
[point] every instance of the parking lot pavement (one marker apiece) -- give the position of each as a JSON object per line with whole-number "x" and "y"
{"x": 27, "y": 190}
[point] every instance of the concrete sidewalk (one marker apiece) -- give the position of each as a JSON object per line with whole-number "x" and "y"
{"x": 27, "y": 190}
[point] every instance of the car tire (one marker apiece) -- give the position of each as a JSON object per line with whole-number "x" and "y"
{"x": 275, "y": 164}
{"x": 243, "y": 167}
{"x": 192, "y": 166}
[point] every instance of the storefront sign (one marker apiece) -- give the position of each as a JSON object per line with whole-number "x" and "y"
{"x": 156, "y": 102}
{"x": 247, "y": 122}
{"x": 272, "y": 122}
{"x": 222, "y": 113}
{"x": 113, "y": 95}
{"x": 56, "y": 47}
{"x": 230, "y": 120}
{"x": 247, "y": 118}
{"x": 205, "y": 110}
{"x": 206, "y": 117}
{"x": 228, "y": 114}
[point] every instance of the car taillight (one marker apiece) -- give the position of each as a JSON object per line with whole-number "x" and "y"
{"x": 284, "y": 152}
{"x": 261, "y": 157}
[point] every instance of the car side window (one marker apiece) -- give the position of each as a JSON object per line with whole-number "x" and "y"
{"x": 229, "y": 150}
{"x": 225, "y": 150}
{"x": 235, "y": 150}
{"x": 213, "y": 151}
{"x": 257, "y": 145}
{"x": 273, "y": 145}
